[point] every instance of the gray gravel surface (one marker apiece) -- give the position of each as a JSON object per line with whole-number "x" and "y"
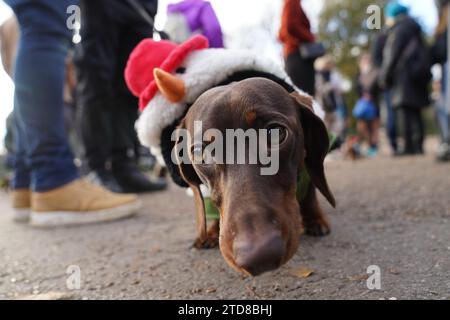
{"x": 393, "y": 213}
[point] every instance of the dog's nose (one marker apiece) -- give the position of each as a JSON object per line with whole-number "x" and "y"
{"x": 261, "y": 256}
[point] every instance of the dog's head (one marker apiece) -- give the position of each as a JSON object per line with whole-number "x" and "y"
{"x": 259, "y": 214}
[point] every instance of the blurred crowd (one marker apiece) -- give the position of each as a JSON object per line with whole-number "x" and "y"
{"x": 394, "y": 84}
{"x": 395, "y": 76}
{"x": 71, "y": 101}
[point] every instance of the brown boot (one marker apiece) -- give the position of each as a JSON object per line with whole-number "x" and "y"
{"x": 80, "y": 202}
{"x": 21, "y": 205}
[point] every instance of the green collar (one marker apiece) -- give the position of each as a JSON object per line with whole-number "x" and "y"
{"x": 302, "y": 185}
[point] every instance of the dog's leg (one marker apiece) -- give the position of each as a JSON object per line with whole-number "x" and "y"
{"x": 314, "y": 221}
{"x": 212, "y": 237}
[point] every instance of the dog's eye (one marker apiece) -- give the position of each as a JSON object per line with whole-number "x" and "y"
{"x": 276, "y": 135}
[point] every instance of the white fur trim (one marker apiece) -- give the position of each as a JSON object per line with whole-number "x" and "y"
{"x": 157, "y": 116}
{"x": 205, "y": 69}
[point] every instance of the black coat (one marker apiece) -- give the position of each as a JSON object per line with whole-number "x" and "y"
{"x": 378, "y": 47}
{"x": 398, "y": 69}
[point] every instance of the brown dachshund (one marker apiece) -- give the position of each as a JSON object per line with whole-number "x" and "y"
{"x": 260, "y": 216}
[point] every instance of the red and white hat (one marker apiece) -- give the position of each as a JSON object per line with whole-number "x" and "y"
{"x": 151, "y": 59}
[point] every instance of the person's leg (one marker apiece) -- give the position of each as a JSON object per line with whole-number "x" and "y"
{"x": 301, "y": 72}
{"x": 22, "y": 175}
{"x": 408, "y": 131}
{"x": 442, "y": 111}
{"x": 58, "y": 197}
{"x": 442, "y": 114}
{"x": 95, "y": 61}
{"x": 391, "y": 122}
{"x": 363, "y": 131}
{"x": 123, "y": 117}
{"x": 38, "y": 95}
{"x": 124, "y": 113}
{"x": 374, "y": 133}
{"x": 21, "y": 180}
{"x": 420, "y": 131}
{"x": 373, "y": 128}
{"x": 443, "y": 119}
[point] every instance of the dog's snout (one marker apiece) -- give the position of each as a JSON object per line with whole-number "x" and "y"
{"x": 260, "y": 256}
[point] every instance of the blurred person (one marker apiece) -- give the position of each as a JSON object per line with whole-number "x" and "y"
{"x": 295, "y": 32}
{"x": 189, "y": 17}
{"x": 384, "y": 97}
{"x": 439, "y": 56}
{"x": 46, "y": 186}
{"x": 406, "y": 72}
{"x": 329, "y": 93}
{"x": 366, "y": 110}
{"x": 110, "y": 30}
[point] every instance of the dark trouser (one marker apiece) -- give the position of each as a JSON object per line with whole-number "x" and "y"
{"x": 301, "y": 72}
{"x": 111, "y": 29}
{"x": 414, "y": 131}
{"x": 43, "y": 159}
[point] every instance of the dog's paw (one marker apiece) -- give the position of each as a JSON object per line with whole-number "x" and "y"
{"x": 318, "y": 229}
{"x": 210, "y": 242}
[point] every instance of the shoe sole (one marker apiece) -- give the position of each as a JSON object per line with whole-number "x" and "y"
{"x": 70, "y": 218}
{"x": 21, "y": 215}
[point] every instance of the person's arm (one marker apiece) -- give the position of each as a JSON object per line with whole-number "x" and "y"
{"x": 211, "y": 26}
{"x": 378, "y": 47}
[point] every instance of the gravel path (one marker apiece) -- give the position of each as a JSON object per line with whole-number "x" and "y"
{"x": 392, "y": 213}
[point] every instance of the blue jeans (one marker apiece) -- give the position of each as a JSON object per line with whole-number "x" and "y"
{"x": 43, "y": 159}
{"x": 391, "y": 121}
{"x": 443, "y": 115}
{"x": 443, "y": 118}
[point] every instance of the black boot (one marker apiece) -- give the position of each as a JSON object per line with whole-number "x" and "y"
{"x": 105, "y": 178}
{"x": 132, "y": 180}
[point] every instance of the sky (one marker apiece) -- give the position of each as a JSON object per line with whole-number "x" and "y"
{"x": 241, "y": 21}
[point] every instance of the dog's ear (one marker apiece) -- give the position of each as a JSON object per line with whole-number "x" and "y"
{"x": 187, "y": 172}
{"x": 316, "y": 143}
